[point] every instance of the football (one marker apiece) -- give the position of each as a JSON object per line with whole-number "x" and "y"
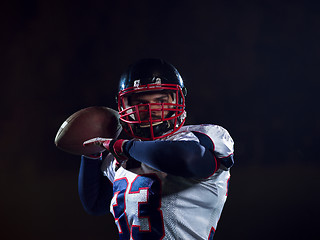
{"x": 85, "y": 124}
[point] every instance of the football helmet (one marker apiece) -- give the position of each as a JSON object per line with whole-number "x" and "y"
{"x": 151, "y": 76}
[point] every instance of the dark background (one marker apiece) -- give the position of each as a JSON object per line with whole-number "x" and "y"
{"x": 250, "y": 66}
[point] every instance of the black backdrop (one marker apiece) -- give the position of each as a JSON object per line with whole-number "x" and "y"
{"x": 250, "y": 66}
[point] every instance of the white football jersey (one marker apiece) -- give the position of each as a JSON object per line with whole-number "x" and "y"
{"x": 151, "y": 205}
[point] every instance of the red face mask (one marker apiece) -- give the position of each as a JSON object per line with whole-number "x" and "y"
{"x": 155, "y": 116}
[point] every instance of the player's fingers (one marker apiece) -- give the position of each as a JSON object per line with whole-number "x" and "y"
{"x": 97, "y": 141}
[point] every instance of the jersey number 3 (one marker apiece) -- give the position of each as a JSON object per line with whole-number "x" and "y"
{"x": 138, "y": 207}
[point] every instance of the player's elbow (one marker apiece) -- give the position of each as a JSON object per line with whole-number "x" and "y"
{"x": 93, "y": 205}
{"x": 196, "y": 161}
{"x": 94, "y": 208}
{"x": 202, "y": 164}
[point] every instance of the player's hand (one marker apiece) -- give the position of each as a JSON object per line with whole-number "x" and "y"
{"x": 94, "y": 155}
{"x": 114, "y": 146}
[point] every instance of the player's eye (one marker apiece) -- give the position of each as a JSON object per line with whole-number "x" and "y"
{"x": 137, "y": 102}
{"x": 162, "y": 100}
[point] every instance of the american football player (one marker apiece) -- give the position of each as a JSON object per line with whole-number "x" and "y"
{"x": 169, "y": 181}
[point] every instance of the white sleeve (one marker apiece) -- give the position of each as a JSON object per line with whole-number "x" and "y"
{"x": 182, "y": 136}
{"x": 223, "y": 143}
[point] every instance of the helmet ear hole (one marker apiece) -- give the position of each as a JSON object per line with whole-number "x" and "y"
{"x": 184, "y": 91}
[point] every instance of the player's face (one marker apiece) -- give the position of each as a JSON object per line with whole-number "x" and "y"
{"x": 152, "y": 100}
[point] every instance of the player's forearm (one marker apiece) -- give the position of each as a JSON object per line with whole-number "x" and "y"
{"x": 181, "y": 158}
{"x": 95, "y": 191}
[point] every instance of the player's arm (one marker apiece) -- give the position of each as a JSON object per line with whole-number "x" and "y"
{"x": 181, "y": 158}
{"x": 95, "y": 190}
